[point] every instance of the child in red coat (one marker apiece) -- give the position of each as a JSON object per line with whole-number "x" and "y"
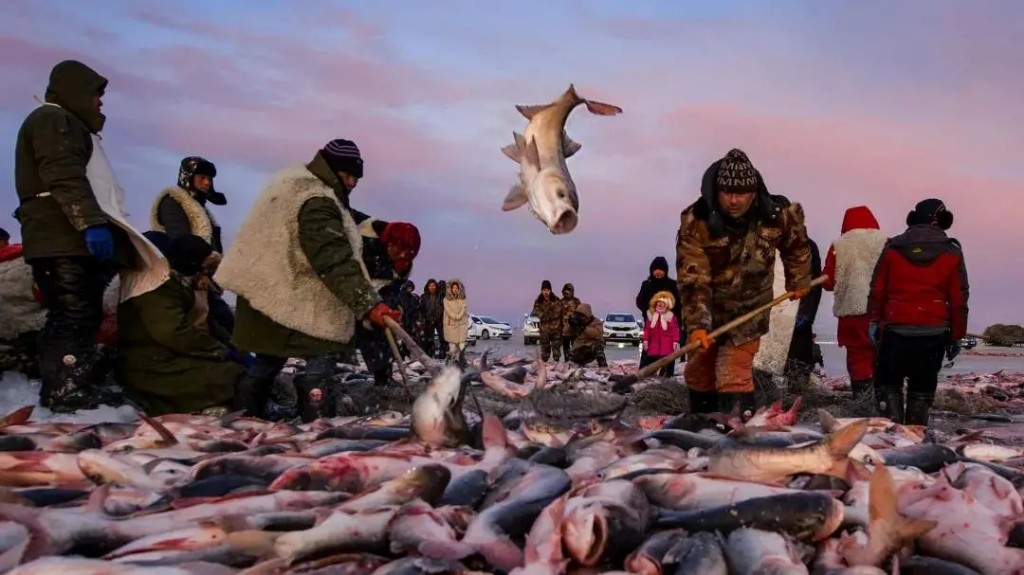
{"x": 661, "y": 330}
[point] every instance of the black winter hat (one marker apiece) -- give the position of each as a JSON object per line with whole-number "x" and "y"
{"x": 545, "y": 285}
{"x": 736, "y": 173}
{"x": 931, "y": 211}
{"x": 343, "y": 156}
{"x": 187, "y": 254}
{"x": 569, "y": 288}
{"x": 659, "y": 263}
{"x": 193, "y": 166}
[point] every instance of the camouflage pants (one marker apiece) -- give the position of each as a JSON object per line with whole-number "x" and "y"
{"x": 584, "y": 353}
{"x": 550, "y": 344}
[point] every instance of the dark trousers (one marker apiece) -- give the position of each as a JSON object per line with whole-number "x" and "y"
{"x": 566, "y": 346}
{"x": 667, "y": 371}
{"x": 313, "y": 390}
{"x": 376, "y": 351}
{"x": 916, "y": 359}
{"x": 800, "y": 361}
{"x": 429, "y": 330}
{"x": 72, "y": 290}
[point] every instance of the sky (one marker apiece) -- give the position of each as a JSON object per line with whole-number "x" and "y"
{"x": 838, "y": 104}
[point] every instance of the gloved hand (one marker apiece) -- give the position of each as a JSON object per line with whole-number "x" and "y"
{"x": 799, "y": 293}
{"x": 646, "y": 345}
{"x": 873, "y": 332}
{"x": 100, "y": 242}
{"x": 244, "y": 359}
{"x": 380, "y": 311}
{"x": 701, "y": 335}
{"x": 675, "y": 346}
{"x": 953, "y": 350}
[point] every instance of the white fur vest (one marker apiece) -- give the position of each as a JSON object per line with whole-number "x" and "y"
{"x": 856, "y": 253}
{"x": 266, "y": 265}
{"x": 200, "y": 219}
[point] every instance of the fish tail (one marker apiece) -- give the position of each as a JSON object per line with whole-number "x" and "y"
{"x": 38, "y": 543}
{"x": 842, "y": 442}
{"x": 884, "y": 516}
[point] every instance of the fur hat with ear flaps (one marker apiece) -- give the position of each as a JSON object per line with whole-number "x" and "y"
{"x": 664, "y": 296}
{"x": 931, "y": 211}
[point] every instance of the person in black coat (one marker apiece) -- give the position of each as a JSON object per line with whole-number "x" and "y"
{"x": 657, "y": 281}
{"x": 802, "y": 353}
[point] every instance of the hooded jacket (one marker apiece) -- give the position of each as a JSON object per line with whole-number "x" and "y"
{"x": 653, "y": 285}
{"x": 549, "y": 312}
{"x": 726, "y": 267}
{"x": 851, "y": 261}
{"x": 54, "y": 145}
{"x": 456, "y": 313}
{"x": 432, "y": 305}
{"x": 920, "y": 284}
{"x": 593, "y": 332}
{"x": 569, "y": 305}
{"x": 661, "y": 330}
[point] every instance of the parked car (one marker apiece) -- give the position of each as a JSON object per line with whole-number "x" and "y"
{"x": 486, "y": 327}
{"x": 968, "y": 343}
{"x": 622, "y": 327}
{"x": 531, "y": 330}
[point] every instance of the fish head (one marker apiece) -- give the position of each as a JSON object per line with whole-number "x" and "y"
{"x": 437, "y": 412}
{"x": 554, "y": 201}
{"x": 585, "y": 533}
{"x": 101, "y": 467}
{"x": 426, "y": 482}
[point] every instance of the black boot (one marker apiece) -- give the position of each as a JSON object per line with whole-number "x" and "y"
{"x": 312, "y": 398}
{"x": 745, "y": 401}
{"x": 918, "y": 407}
{"x": 66, "y": 383}
{"x": 703, "y": 401}
{"x": 861, "y": 388}
{"x": 252, "y": 395}
{"x": 890, "y": 403}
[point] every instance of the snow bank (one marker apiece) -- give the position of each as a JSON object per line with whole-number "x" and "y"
{"x": 17, "y": 391}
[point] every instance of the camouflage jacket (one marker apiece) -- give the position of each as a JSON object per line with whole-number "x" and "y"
{"x": 569, "y": 305}
{"x": 549, "y": 312}
{"x": 724, "y": 277}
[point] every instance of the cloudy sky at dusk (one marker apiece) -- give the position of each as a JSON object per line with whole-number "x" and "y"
{"x": 837, "y": 104}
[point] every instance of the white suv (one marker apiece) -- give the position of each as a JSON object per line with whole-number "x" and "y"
{"x": 622, "y": 327}
{"x": 531, "y": 330}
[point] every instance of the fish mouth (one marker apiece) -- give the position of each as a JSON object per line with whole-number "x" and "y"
{"x": 565, "y": 222}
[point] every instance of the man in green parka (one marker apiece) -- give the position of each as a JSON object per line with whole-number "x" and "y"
{"x": 296, "y": 266}
{"x": 69, "y": 241}
{"x": 168, "y": 360}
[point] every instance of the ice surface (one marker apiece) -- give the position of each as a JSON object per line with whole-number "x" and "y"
{"x": 17, "y": 391}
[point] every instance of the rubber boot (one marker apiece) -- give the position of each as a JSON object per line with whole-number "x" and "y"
{"x": 311, "y": 398}
{"x": 918, "y": 407}
{"x": 703, "y": 401}
{"x": 745, "y": 401}
{"x": 252, "y": 395}
{"x": 890, "y": 403}
{"x": 65, "y": 384}
{"x": 861, "y": 388}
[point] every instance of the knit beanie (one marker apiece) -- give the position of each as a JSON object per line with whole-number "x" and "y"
{"x": 736, "y": 174}
{"x": 343, "y": 156}
{"x": 569, "y": 288}
{"x": 545, "y": 285}
{"x": 931, "y": 211}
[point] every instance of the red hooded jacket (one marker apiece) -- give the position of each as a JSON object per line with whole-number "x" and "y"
{"x": 920, "y": 284}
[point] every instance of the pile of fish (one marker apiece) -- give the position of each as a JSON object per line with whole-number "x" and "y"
{"x": 1004, "y": 389}
{"x": 443, "y": 490}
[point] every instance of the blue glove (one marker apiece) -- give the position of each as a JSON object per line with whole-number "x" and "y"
{"x": 953, "y": 350}
{"x": 246, "y": 359}
{"x": 100, "y": 242}
{"x": 873, "y": 332}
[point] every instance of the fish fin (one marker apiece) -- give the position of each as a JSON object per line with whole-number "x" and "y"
{"x": 501, "y": 553}
{"x": 165, "y": 434}
{"x": 827, "y": 421}
{"x": 512, "y": 151}
{"x": 530, "y": 111}
{"x": 445, "y": 549}
{"x": 533, "y": 154}
{"x": 972, "y": 436}
{"x": 492, "y": 432}
{"x": 888, "y": 531}
{"x": 18, "y": 416}
{"x": 230, "y": 418}
{"x": 602, "y": 109}
{"x": 13, "y": 557}
{"x": 515, "y": 199}
{"x": 840, "y": 443}
{"x": 96, "y": 498}
{"x": 569, "y": 147}
{"x": 39, "y": 542}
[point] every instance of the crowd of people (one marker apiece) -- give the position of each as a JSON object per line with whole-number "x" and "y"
{"x": 316, "y": 279}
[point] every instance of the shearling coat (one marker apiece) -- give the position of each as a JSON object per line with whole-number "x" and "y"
{"x": 456, "y": 314}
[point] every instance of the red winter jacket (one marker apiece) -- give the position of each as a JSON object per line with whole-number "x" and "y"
{"x": 920, "y": 284}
